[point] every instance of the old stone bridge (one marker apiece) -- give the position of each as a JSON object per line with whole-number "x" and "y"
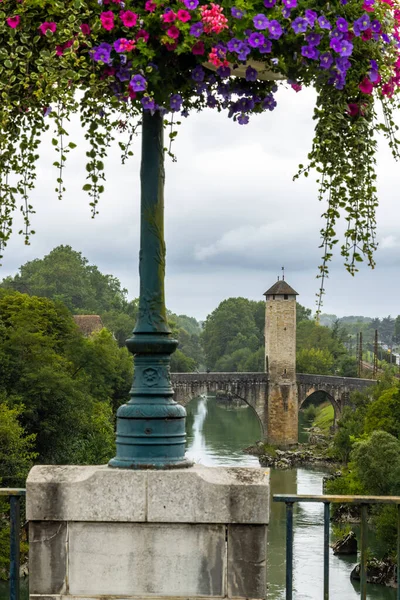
{"x": 253, "y": 389}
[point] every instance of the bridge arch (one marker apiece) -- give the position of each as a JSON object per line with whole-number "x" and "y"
{"x": 321, "y": 396}
{"x": 251, "y": 388}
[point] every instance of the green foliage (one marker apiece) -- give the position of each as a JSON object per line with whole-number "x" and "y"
{"x": 325, "y": 417}
{"x": 376, "y": 463}
{"x": 310, "y": 413}
{"x": 384, "y": 413}
{"x": 16, "y": 448}
{"x": 313, "y": 360}
{"x": 235, "y": 326}
{"x": 180, "y": 363}
{"x": 59, "y": 376}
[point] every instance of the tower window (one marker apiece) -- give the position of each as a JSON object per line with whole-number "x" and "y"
{"x": 273, "y": 297}
{"x": 285, "y": 296}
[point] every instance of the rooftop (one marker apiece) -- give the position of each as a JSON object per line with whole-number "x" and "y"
{"x": 280, "y": 288}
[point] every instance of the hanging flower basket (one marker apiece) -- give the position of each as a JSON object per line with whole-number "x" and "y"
{"x": 112, "y": 59}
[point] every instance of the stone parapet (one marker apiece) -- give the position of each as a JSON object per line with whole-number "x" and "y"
{"x": 191, "y": 533}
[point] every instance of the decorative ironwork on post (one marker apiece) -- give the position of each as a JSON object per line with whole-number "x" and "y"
{"x": 151, "y": 426}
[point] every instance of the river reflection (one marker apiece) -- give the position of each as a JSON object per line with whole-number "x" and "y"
{"x": 216, "y": 436}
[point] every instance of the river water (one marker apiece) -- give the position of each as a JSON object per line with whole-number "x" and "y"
{"x": 216, "y": 437}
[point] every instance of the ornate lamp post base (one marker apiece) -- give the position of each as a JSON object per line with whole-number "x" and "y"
{"x": 151, "y": 426}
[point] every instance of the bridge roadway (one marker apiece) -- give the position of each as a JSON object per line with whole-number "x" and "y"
{"x": 253, "y": 388}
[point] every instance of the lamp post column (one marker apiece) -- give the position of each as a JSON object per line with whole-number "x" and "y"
{"x": 151, "y": 426}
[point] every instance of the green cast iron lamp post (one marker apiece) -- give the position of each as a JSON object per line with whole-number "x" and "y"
{"x": 151, "y": 426}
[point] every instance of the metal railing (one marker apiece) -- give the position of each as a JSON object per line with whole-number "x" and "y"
{"x": 14, "y": 495}
{"x": 363, "y": 502}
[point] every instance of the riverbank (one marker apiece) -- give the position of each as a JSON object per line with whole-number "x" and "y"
{"x": 301, "y": 455}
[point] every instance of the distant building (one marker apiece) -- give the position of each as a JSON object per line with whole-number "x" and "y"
{"x": 88, "y": 324}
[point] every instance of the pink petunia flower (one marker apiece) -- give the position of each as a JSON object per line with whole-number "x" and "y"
{"x": 169, "y": 17}
{"x": 85, "y": 29}
{"x": 128, "y": 18}
{"x": 150, "y": 6}
{"x": 142, "y": 34}
{"x": 107, "y": 20}
{"x": 13, "y": 22}
{"x": 47, "y": 26}
{"x": 366, "y": 86}
{"x": 198, "y": 48}
{"x": 173, "y": 32}
{"x": 353, "y": 109}
{"x": 183, "y": 15}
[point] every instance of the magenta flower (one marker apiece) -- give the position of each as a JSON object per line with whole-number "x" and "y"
{"x": 128, "y": 18}
{"x": 353, "y": 109}
{"x": 169, "y": 17}
{"x": 198, "y": 48}
{"x": 13, "y": 22}
{"x": 107, "y": 20}
{"x": 142, "y": 34}
{"x": 366, "y": 86}
{"x": 47, "y": 26}
{"x": 85, "y": 29}
{"x": 150, "y": 6}
{"x": 183, "y": 15}
{"x": 173, "y": 32}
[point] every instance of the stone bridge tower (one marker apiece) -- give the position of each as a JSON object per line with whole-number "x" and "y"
{"x": 280, "y": 364}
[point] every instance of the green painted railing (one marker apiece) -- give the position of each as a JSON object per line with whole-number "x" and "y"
{"x": 14, "y": 495}
{"x": 363, "y": 502}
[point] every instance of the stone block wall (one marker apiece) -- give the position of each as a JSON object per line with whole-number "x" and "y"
{"x": 97, "y": 532}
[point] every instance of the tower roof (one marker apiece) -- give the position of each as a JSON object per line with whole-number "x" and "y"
{"x": 280, "y": 288}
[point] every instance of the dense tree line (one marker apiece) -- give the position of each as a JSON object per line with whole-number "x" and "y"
{"x": 233, "y": 340}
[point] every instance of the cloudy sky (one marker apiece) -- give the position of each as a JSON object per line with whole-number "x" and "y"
{"x": 233, "y": 216}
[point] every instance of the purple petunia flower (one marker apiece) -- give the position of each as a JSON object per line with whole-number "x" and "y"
{"x": 198, "y": 74}
{"x": 343, "y": 64}
{"x": 243, "y": 119}
{"x": 148, "y": 103}
{"x": 234, "y": 45}
{"x": 256, "y": 39}
{"x": 236, "y": 12}
{"x": 224, "y": 72}
{"x": 211, "y": 101}
{"x": 138, "y": 83}
{"x": 191, "y": 4}
{"x": 275, "y": 29}
{"x": 326, "y": 60}
{"x": 311, "y": 16}
{"x": 313, "y": 39}
{"x": 286, "y": 12}
{"x": 342, "y": 25}
{"x": 260, "y": 21}
{"x": 175, "y": 102}
{"x": 269, "y": 3}
{"x": 266, "y": 47}
{"x": 244, "y": 52}
{"x": 196, "y": 29}
{"x": 269, "y": 102}
{"x": 361, "y": 24}
{"x": 123, "y": 74}
{"x": 324, "y": 23}
{"x": 102, "y": 53}
{"x": 310, "y": 52}
{"x": 299, "y": 25}
{"x": 376, "y": 26}
{"x": 336, "y": 35}
{"x": 290, "y": 3}
{"x": 374, "y": 72}
{"x": 251, "y": 74}
{"x": 342, "y": 47}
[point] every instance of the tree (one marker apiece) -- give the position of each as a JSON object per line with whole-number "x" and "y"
{"x": 233, "y": 317}
{"x": 59, "y": 376}
{"x": 302, "y": 313}
{"x": 65, "y": 275}
{"x": 180, "y": 363}
{"x": 377, "y": 463}
{"x": 384, "y": 413}
{"x": 313, "y": 360}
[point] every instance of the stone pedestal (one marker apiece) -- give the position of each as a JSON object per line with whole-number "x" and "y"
{"x": 97, "y": 532}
